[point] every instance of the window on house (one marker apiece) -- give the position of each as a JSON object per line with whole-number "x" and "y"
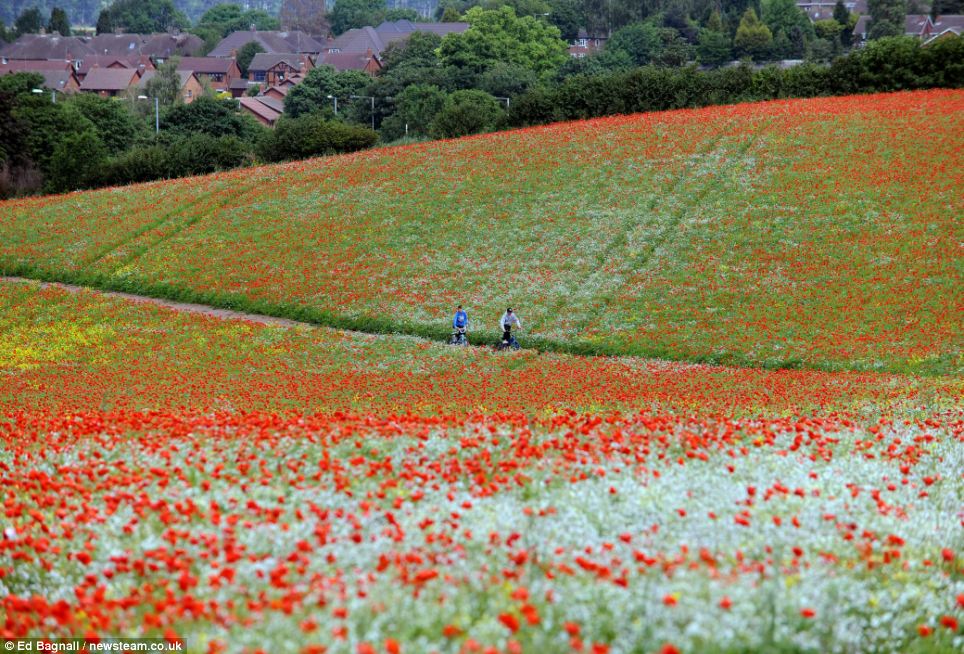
{"x": 259, "y": 76}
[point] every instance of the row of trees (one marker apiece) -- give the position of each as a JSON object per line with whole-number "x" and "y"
{"x": 85, "y": 140}
{"x": 442, "y": 87}
{"x": 889, "y": 64}
{"x": 85, "y": 12}
{"x": 32, "y": 20}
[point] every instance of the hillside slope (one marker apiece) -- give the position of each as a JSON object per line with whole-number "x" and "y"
{"x": 818, "y": 232}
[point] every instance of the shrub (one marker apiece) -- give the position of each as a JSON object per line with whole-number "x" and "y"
{"x": 467, "y": 112}
{"x": 890, "y": 64}
{"x": 312, "y": 136}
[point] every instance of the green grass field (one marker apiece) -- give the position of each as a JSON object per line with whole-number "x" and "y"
{"x": 807, "y": 233}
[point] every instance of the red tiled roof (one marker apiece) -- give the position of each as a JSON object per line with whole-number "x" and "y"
{"x": 268, "y": 60}
{"x": 49, "y": 46}
{"x": 347, "y": 60}
{"x": 109, "y": 79}
{"x": 272, "y": 42}
{"x": 205, "y": 65}
{"x": 184, "y": 75}
{"x": 34, "y": 65}
{"x": 260, "y": 109}
{"x": 952, "y": 22}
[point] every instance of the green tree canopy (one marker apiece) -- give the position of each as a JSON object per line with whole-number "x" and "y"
{"x": 507, "y": 80}
{"x": 113, "y": 122}
{"x": 646, "y": 43}
{"x": 502, "y": 36}
{"x": 213, "y": 117}
{"x": 886, "y": 17}
{"x": 222, "y": 19}
{"x": 29, "y": 22}
{"x": 828, "y": 29}
{"x": 45, "y": 123}
{"x": 753, "y": 38}
{"x": 419, "y": 51}
{"x": 607, "y": 61}
{"x": 450, "y": 15}
{"x": 789, "y": 26}
{"x": 567, "y": 15}
{"x": 402, "y": 13}
{"x": 141, "y": 16}
{"x": 713, "y": 43}
{"x": 105, "y": 25}
{"x": 246, "y": 54}
{"x": 641, "y": 41}
{"x": 348, "y": 14}
{"x": 58, "y": 22}
{"x": 166, "y": 83}
{"x": 847, "y": 22}
{"x": 415, "y": 109}
{"x": 76, "y": 163}
{"x": 311, "y": 136}
{"x": 311, "y": 96}
{"x": 467, "y": 112}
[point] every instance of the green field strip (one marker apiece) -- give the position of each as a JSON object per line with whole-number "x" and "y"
{"x": 170, "y": 228}
{"x": 375, "y": 326}
{"x": 671, "y": 235}
{"x": 628, "y": 224}
{"x": 671, "y": 226}
{"x": 103, "y": 252}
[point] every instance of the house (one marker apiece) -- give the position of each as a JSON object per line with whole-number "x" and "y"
{"x": 586, "y": 44}
{"x": 89, "y": 62}
{"x": 218, "y": 71}
{"x": 277, "y": 92}
{"x": 58, "y": 75}
{"x": 116, "y": 45}
{"x": 916, "y": 25}
{"x": 367, "y": 62}
{"x": 946, "y": 26}
{"x": 823, "y": 9}
{"x": 161, "y": 47}
{"x": 271, "y": 42}
{"x": 366, "y": 44}
{"x": 45, "y": 46}
{"x": 270, "y": 69}
{"x": 190, "y": 88}
{"x": 239, "y": 87}
{"x": 262, "y": 111}
{"x": 110, "y": 82}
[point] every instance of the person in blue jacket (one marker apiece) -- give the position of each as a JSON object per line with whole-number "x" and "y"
{"x": 461, "y": 319}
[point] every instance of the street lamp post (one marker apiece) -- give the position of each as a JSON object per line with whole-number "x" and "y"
{"x": 157, "y": 112}
{"x": 506, "y": 102}
{"x": 53, "y": 94}
{"x": 335, "y": 98}
{"x": 367, "y": 97}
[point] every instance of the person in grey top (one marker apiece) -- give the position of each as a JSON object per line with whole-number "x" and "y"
{"x": 507, "y": 321}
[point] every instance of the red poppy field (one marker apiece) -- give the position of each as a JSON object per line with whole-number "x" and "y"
{"x": 299, "y": 489}
{"x": 818, "y": 232}
{"x": 64, "y": 352}
{"x": 258, "y": 488}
